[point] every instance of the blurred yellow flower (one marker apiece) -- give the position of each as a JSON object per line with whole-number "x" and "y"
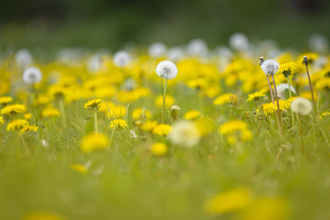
{"x": 27, "y": 116}
{"x": 93, "y": 104}
{"x": 17, "y": 125}
{"x": 229, "y": 201}
{"x": 13, "y": 109}
{"x": 159, "y": 149}
{"x": 92, "y": 142}
{"x": 288, "y": 68}
{"x": 117, "y": 112}
{"x": 28, "y": 128}
{"x": 79, "y": 168}
{"x": 102, "y": 92}
{"x": 235, "y": 130}
{"x": 2, "y": 121}
{"x": 255, "y": 96}
{"x": 5, "y": 100}
{"x": 121, "y": 123}
{"x": 149, "y": 125}
{"x": 193, "y": 114}
{"x": 168, "y": 102}
{"x": 42, "y": 99}
{"x": 162, "y": 129}
{"x": 269, "y": 108}
{"x": 141, "y": 113}
{"x": 43, "y": 216}
{"x": 308, "y": 95}
{"x": 225, "y": 98}
{"x": 283, "y": 104}
{"x": 49, "y": 112}
{"x": 105, "y": 105}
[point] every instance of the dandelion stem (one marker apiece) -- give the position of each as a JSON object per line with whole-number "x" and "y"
{"x": 278, "y": 105}
{"x": 164, "y": 98}
{"x": 271, "y": 94}
{"x": 95, "y": 120}
{"x": 310, "y": 82}
{"x": 292, "y": 114}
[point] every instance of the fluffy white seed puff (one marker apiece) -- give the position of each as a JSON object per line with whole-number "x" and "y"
{"x": 23, "y": 58}
{"x": 282, "y": 87}
{"x": 185, "y": 134}
{"x": 121, "y": 59}
{"x": 301, "y": 106}
{"x": 166, "y": 69}
{"x": 157, "y": 50}
{"x": 32, "y": 75}
{"x": 239, "y": 41}
{"x": 270, "y": 67}
{"x": 197, "y": 48}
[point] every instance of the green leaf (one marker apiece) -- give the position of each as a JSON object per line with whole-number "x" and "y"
{"x": 287, "y": 94}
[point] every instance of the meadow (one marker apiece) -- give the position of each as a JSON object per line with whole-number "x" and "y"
{"x": 238, "y": 132}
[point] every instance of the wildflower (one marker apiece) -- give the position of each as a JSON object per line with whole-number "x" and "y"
{"x": 269, "y": 108}
{"x": 93, "y": 104}
{"x": 301, "y": 106}
{"x": 225, "y": 98}
{"x": 105, "y": 106}
{"x": 162, "y": 129}
{"x": 27, "y": 116}
{"x": 119, "y": 123}
{"x": 267, "y": 209}
{"x": 308, "y": 95}
{"x": 17, "y": 125}
{"x": 185, "y": 133}
{"x": 13, "y": 109}
{"x": 197, "y": 48}
{"x": 229, "y": 201}
{"x": 148, "y": 125}
{"x": 32, "y": 75}
{"x": 235, "y": 130}
{"x": 79, "y": 168}
{"x": 174, "y": 112}
{"x": 281, "y": 90}
{"x": 42, "y": 99}
{"x": 255, "y": 96}
{"x": 168, "y": 102}
{"x": 289, "y": 100}
{"x": 270, "y": 67}
{"x": 288, "y": 68}
{"x": 5, "y": 100}
{"x": 49, "y": 112}
{"x": 159, "y": 149}
{"x": 323, "y": 114}
{"x": 166, "y": 69}
{"x": 239, "y": 41}
{"x": 199, "y": 83}
{"x": 92, "y": 142}
{"x": 193, "y": 114}
{"x": 28, "y": 128}
{"x": 1, "y": 120}
{"x": 23, "y": 58}
{"x": 157, "y": 50}
{"x": 121, "y": 59}
{"x": 43, "y": 216}
{"x": 141, "y": 113}
{"x": 117, "y": 112}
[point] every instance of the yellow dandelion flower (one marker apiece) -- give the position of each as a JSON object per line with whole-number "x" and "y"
{"x": 308, "y": 95}
{"x": 121, "y": 123}
{"x": 142, "y": 92}
{"x": 289, "y": 100}
{"x": 92, "y": 142}
{"x": 288, "y": 68}
{"x": 283, "y": 105}
{"x": 199, "y": 83}
{"x": 13, "y": 109}
{"x": 168, "y": 102}
{"x": 162, "y": 129}
{"x": 17, "y": 125}
{"x": 43, "y": 216}
{"x": 105, "y": 105}
{"x": 27, "y": 116}
{"x": 229, "y": 201}
{"x": 149, "y": 125}
{"x": 28, "y": 128}
{"x": 225, "y": 98}
{"x": 255, "y": 96}
{"x": 193, "y": 114}
{"x": 127, "y": 96}
{"x": 323, "y": 114}
{"x": 107, "y": 91}
{"x": 49, "y": 112}
{"x": 141, "y": 113}
{"x": 235, "y": 130}
{"x": 42, "y": 99}
{"x": 269, "y": 108}
{"x": 117, "y": 112}
{"x": 93, "y": 104}
{"x": 5, "y": 100}
{"x": 2, "y": 121}
{"x": 159, "y": 149}
{"x": 79, "y": 168}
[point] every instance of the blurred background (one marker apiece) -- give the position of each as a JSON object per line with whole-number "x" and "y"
{"x": 52, "y": 24}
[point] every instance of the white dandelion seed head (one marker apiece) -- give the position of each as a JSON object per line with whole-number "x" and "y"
{"x": 175, "y": 107}
{"x": 32, "y": 75}
{"x": 224, "y": 52}
{"x": 130, "y": 84}
{"x": 282, "y": 87}
{"x": 121, "y": 58}
{"x": 197, "y": 48}
{"x": 166, "y": 69}
{"x": 320, "y": 62}
{"x": 157, "y": 50}
{"x": 68, "y": 56}
{"x": 94, "y": 63}
{"x": 185, "y": 134}
{"x": 175, "y": 53}
{"x": 23, "y": 58}
{"x": 270, "y": 67}
{"x": 239, "y": 41}
{"x": 318, "y": 43}
{"x": 301, "y": 106}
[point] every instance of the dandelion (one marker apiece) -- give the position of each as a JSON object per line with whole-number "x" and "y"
{"x": 301, "y": 106}
{"x": 117, "y": 112}
{"x": 168, "y": 102}
{"x": 197, "y": 48}
{"x": 141, "y": 113}
{"x": 322, "y": 115}
{"x": 79, "y": 168}
{"x": 92, "y": 142}
{"x": 28, "y": 128}
{"x": 174, "y": 112}
{"x": 235, "y": 130}
{"x": 305, "y": 61}
{"x": 185, "y": 133}
{"x": 162, "y": 129}
{"x": 191, "y": 115}
{"x": 269, "y": 108}
{"x": 32, "y": 75}
{"x": 17, "y": 125}
{"x": 148, "y": 126}
{"x": 2, "y": 121}
{"x": 94, "y": 63}
{"x": 239, "y": 41}
{"x": 255, "y": 96}
{"x": 121, "y": 123}
{"x": 270, "y": 67}
{"x": 4, "y": 100}
{"x": 27, "y": 116}
{"x": 157, "y": 50}
{"x": 167, "y": 70}
{"x": 49, "y": 112}
{"x": 159, "y": 149}
{"x": 121, "y": 59}
{"x": 225, "y": 98}
{"x": 229, "y": 201}
{"x": 13, "y": 109}
{"x": 94, "y": 105}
